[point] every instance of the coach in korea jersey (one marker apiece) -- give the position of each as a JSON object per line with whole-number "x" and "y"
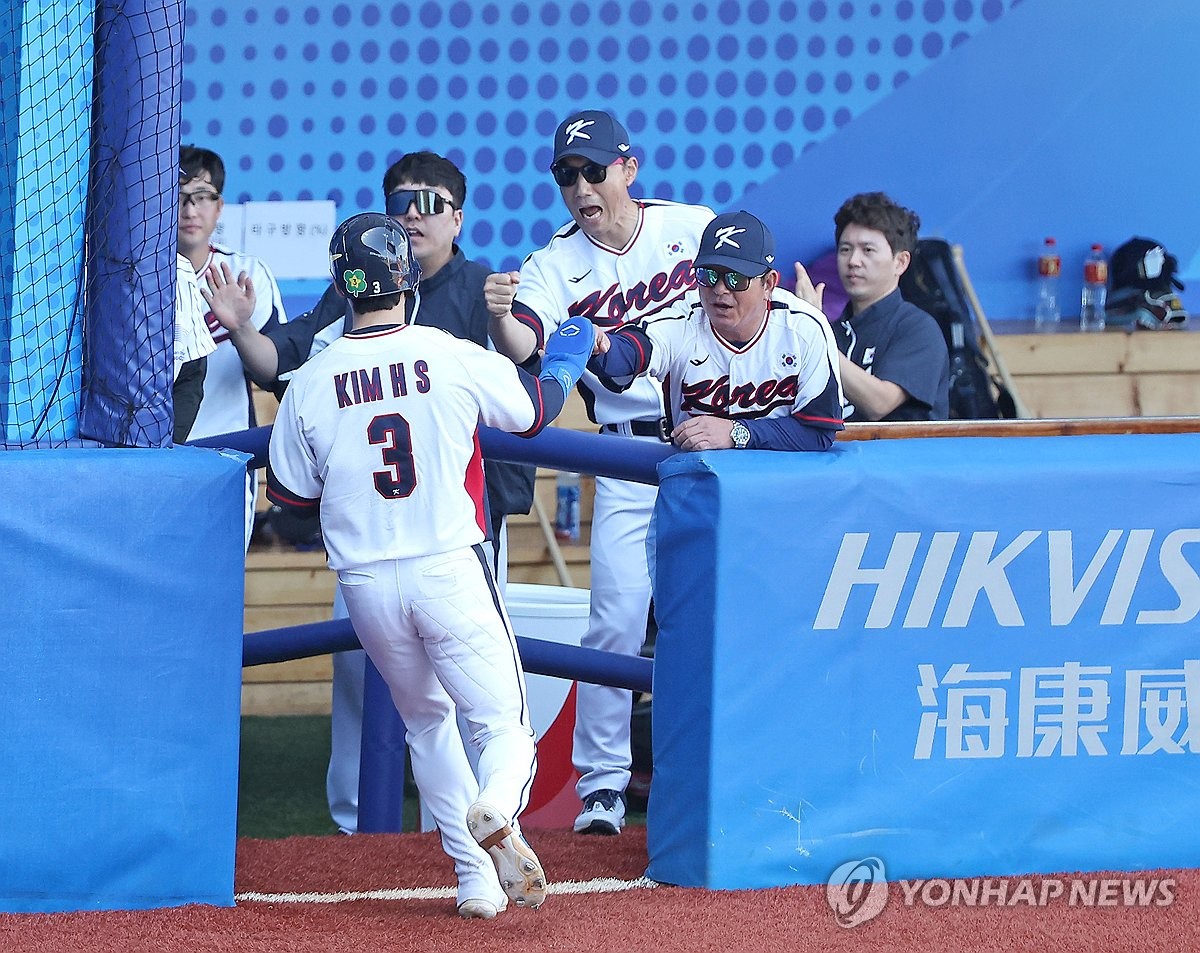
{"x": 619, "y": 261}
{"x": 630, "y": 268}
{"x": 380, "y": 429}
{"x": 743, "y": 362}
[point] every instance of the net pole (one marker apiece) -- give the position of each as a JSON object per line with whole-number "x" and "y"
{"x": 132, "y": 223}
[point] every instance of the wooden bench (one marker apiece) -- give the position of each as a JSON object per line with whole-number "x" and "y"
{"x": 1105, "y": 374}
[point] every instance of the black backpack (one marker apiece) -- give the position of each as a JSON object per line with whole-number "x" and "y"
{"x": 931, "y": 282}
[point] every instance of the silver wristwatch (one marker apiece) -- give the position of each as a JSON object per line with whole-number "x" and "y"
{"x": 740, "y": 434}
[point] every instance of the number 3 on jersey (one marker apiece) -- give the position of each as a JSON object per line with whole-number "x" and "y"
{"x": 393, "y": 432}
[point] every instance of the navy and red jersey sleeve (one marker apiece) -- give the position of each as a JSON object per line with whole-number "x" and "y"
{"x": 280, "y": 495}
{"x": 548, "y": 400}
{"x": 789, "y": 433}
{"x": 628, "y": 356}
{"x": 824, "y": 410}
{"x": 528, "y": 317}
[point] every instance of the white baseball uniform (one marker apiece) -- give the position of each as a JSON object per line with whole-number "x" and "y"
{"x": 789, "y": 368}
{"x": 575, "y": 275}
{"x": 192, "y": 345}
{"x": 381, "y": 429}
{"x": 192, "y": 338}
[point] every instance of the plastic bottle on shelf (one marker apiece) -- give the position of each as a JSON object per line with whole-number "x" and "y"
{"x": 566, "y": 513}
{"x": 1095, "y": 290}
{"x": 1047, "y": 316}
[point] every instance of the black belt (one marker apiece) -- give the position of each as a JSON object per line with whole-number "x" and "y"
{"x": 641, "y": 428}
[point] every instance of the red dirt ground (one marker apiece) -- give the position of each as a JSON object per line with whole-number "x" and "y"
{"x": 663, "y": 920}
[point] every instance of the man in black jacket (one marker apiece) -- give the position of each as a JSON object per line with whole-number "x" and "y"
{"x": 894, "y": 362}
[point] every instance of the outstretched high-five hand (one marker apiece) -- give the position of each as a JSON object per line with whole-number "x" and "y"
{"x": 230, "y": 302}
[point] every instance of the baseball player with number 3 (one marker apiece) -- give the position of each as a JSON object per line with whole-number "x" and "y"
{"x": 380, "y": 430}
{"x": 620, "y": 261}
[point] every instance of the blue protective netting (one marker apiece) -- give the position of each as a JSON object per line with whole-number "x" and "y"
{"x": 45, "y": 81}
{"x": 89, "y": 135}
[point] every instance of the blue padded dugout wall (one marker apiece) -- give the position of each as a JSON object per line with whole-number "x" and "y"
{"x": 963, "y": 656}
{"x": 121, "y": 647}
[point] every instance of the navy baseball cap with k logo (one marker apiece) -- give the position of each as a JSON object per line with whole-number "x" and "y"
{"x": 737, "y": 241}
{"x": 592, "y": 134}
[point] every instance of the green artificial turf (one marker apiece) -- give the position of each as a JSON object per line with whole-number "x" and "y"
{"x": 281, "y": 784}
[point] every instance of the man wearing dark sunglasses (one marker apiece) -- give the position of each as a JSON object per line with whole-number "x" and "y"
{"x": 620, "y": 260}
{"x": 750, "y": 365}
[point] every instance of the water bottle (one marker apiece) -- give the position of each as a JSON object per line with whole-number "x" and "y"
{"x": 1047, "y": 315}
{"x": 1095, "y": 291}
{"x": 566, "y": 513}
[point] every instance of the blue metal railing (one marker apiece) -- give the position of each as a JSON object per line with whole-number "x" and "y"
{"x": 381, "y": 773}
{"x": 538, "y": 656}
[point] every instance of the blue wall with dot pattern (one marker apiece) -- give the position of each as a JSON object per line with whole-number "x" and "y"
{"x": 999, "y": 121}
{"x": 315, "y": 100}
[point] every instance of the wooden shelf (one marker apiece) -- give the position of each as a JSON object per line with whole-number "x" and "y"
{"x": 1114, "y": 373}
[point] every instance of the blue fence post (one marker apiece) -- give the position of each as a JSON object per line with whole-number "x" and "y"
{"x": 381, "y": 761}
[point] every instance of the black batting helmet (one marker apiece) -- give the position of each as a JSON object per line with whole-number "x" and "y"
{"x": 370, "y": 256}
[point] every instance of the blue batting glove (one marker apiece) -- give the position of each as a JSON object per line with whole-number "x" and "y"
{"x": 567, "y": 352}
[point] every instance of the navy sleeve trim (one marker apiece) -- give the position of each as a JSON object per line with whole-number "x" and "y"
{"x": 547, "y": 402}
{"x": 529, "y": 318}
{"x": 280, "y": 495}
{"x": 628, "y": 356}
{"x": 789, "y": 433}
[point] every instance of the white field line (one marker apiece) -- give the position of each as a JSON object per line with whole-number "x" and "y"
{"x": 600, "y": 885}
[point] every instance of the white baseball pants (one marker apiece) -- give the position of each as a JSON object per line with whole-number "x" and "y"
{"x": 436, "y": 629}
{"x": 345, "y": 743}
{"x": 620, "y": 605}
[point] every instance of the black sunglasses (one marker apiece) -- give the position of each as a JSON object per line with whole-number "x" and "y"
{"x": 568, "y": 175}
{"x": 734, "y": 281}
{"x": 428, "y": 202}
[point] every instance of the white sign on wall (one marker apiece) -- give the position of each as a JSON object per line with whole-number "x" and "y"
{"x": 291, "y": 237}
{"x": 229, "y": 227}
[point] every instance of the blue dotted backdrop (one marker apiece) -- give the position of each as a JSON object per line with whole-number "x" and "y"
{"x": 315, "y": 100}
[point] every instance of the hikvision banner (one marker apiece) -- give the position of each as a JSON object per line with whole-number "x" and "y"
{"x": 964, "y": 657}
